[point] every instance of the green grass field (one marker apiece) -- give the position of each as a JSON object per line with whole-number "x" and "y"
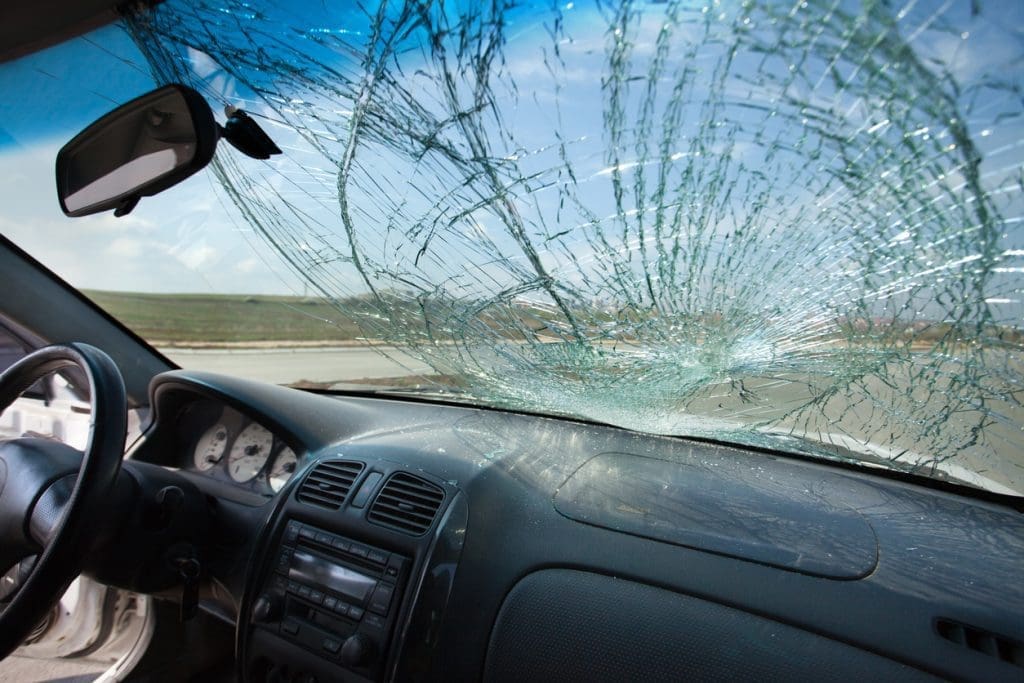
{"x": 222, "y": 318}
{"x": 216, "y": 319}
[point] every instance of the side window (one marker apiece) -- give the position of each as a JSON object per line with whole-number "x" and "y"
{"x": 53, "y": 408}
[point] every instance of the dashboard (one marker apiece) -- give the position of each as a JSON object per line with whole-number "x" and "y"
{"x": 364, "y": 539}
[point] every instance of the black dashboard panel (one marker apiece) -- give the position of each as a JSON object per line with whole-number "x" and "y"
{"x": 563, "y": 625}
{"x": 942, "y": 557}
{"x": 732, "y": 508}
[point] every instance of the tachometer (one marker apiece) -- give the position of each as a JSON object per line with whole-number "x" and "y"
{"x": 249, "y": 452}
{"x": 282, "y": 469}
{"x": 210, "y": 447}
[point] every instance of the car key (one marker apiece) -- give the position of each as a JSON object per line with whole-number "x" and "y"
{"x": 189, "y": 570}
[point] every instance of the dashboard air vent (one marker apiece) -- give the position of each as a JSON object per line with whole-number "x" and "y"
{"x": 979, "y": 640}
{"x": 406, "y": 503}
{"x": 329, "y": 482}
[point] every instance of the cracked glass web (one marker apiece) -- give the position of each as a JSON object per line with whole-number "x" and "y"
{"x": 787, "y": 224}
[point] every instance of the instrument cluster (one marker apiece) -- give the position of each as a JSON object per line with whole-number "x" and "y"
{"x": 227, "y": 445}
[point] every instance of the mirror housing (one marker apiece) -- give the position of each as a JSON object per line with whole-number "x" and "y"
{"x": 137, "y": 150}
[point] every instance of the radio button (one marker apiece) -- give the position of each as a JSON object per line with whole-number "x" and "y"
{"x": 323, "y": 538}
{"x": 377, "y": 557}
{"x": 394, "y": 567}
{"x": 355, "y": 612}
{"x": 291, "y": 532}
{"x": 306, "y": 532}
{"x": 304, "y": 591}
{"x": 316, "y": 596}
{"x": 340, "y": 544}
{"x": 293, "y": 587}
{"x": 330, "y": 603}
{"x": 381, "y": 600}
{"x": 341, "y": 608}
{"x": 358, "y": 550}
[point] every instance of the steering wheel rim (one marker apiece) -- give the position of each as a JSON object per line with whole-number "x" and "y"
{"x": 35, "y": 484}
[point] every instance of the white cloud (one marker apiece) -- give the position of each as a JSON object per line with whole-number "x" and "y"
{"x": 196, "y": 256}
{"x": 125, "y": 247}
{"x": 248, "y": 265}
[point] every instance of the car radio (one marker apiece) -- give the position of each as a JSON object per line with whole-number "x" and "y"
{"x": 332, "y": 595}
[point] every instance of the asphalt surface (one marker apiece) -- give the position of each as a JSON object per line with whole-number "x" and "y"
{"x": 291, "y": 365}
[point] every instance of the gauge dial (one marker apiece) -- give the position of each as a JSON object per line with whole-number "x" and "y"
{"x": 249, "y": 452}
{"x": 210, "y": 447}
{"x": 282, "y": 469}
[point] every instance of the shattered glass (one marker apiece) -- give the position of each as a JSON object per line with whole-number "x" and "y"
{"x": 793, "y": 225}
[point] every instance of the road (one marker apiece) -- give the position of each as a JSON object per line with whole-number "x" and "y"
{"x": 290, "y": 365}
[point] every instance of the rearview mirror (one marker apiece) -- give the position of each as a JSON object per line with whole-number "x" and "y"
{"x": 137, "y": 150}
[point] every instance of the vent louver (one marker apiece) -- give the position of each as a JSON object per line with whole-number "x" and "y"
{"x": 406, "y": 503}
{"x": 329, "y": 482}
{"x": 979, "y": 640}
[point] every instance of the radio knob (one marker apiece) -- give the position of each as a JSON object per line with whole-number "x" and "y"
{"x": 357, "y": 650}
{"x": 266, "y": 608}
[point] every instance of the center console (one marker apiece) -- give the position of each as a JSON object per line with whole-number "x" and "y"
{"x": 332, "y": 595}
{"x": 354, "y": 574}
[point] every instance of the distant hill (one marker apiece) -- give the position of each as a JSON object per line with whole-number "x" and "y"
{"x": 219, "y": 319}
{"x": 212, "y": 318}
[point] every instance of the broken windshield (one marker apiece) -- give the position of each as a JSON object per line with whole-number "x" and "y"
{"x": 792, "y": 224}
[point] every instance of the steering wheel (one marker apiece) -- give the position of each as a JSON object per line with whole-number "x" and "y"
{"x": 50, "y": 492}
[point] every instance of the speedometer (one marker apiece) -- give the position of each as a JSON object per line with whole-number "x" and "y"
{"x": 249, "y": 452}
{"x": 282, "y": 469}
{"x": 210, "y": 447}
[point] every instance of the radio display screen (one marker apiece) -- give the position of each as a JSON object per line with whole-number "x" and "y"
{"x": 310, "y": 569}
